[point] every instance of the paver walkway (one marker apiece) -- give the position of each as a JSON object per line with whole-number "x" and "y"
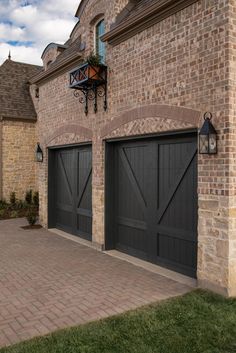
{"x": 48, "y": 282}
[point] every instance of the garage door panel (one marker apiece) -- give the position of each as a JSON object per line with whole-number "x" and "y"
{"x": 84, "y": 200}
{"x": 64, "y": 183}
{"x": 84, "y": 160}
{"x": 64, "y": 219}
{"x": 176, "y": 250}
{"x": 180, "y": 212}
{"x": 134, "y": 172}
{"x": 175, "y": 232}
{"x": 131, "y": 202}
{"x": 155, "y": 201}
{"x": 84, "y": 226}
{"x": 132, "y": 223}
{"x": 131, "y": 181}
{"x": 177, "y": 208}
{"x": 65, "y": 160}
{"x": 131, "y": 241}
{"x": 65, "y": 178}
{"x": 172, "y": 159}
{"x": 135, "y": 162}
{"x": 128, "y": 205}
{"x": 166, "y": 175}
{"x": 64, "y": 207}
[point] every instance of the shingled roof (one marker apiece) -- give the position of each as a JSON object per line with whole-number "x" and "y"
{"x": 15, "y": 99}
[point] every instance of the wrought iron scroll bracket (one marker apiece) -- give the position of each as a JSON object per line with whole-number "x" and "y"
{"x": 92, "y": 94}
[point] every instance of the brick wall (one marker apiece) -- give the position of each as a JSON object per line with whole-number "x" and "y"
{"x": 18, "y": 164}
{"x": 186, "y": 60}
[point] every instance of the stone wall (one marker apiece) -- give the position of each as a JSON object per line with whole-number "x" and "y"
{"x": 18, "y": 158}
{"x": 181, "y": 62}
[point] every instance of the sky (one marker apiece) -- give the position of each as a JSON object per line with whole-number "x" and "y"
{"x": 28, "y": 26}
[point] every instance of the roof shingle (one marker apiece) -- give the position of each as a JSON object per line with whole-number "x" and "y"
{"x": 15, "y": 99}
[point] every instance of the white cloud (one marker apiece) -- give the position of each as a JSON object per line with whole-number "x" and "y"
{"x": 30, "y": 55}
{"x": 28, "y": 26}
{"x": 25, "y": 15}
{"x": 11, "y": 33}
{"x": 62, "y": 7}
{"x": 56, "y": 30}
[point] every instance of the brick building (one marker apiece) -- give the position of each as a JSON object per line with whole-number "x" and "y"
{"x": 17, "y": 129}
{"x": 130, "y": 177}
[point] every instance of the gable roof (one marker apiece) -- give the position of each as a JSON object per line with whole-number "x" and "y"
{"x": 15, "y": 99}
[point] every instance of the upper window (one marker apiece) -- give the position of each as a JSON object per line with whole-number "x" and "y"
{"x": 100, "y": 46}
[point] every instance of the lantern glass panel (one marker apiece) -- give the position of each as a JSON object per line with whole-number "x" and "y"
{"x": 212, "y": 143}
{"x": 39, "y": 156}
{"x": 203, "y": 144}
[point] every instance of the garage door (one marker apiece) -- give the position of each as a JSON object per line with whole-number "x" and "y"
{"x": 153, "y": 197}
{"x": 71, "y": 202}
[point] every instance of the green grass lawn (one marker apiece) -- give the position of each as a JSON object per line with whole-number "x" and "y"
{"x": 198, "y": 322}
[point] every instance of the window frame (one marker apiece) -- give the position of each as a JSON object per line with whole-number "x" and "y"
{"x": 95, "y": 39}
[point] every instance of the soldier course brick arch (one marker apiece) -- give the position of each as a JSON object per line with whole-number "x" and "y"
{"x": 184, "y": 115}
{"x": 82, "y": 131}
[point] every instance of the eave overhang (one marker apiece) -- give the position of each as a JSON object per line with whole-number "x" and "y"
{"x": 17, "y": 118}
{"x": 145, "y": 18}
{"x": 56, "y": 69}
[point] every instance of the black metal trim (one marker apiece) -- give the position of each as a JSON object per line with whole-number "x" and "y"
{"x": 87, "y": 143}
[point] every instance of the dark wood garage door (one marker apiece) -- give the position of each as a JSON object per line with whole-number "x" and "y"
{"x": 71, "y": 201}
{"x": 154, "y": 201}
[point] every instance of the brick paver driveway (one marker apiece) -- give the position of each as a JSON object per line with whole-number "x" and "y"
{"x": 48, "y": 282}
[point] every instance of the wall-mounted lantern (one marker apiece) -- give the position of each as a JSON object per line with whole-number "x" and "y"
{"x": 39, "y": 153}
{"x": 207, "y": 136}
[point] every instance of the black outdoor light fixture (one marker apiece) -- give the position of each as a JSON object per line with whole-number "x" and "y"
{"x": 207, "y": 136}
{"x": 39, "y": 153}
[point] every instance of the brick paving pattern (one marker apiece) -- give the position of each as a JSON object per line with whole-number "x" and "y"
{"x": 48, "y": 282}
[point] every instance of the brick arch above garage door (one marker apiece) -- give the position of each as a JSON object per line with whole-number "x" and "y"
{"x": 68, "y": 134}
{"x": 148, "y": 126}
{"x": 151, "y": 118}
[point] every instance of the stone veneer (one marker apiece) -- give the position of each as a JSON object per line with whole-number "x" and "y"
{"x": 186, "y": 64}
{"x": 18, "y": 158}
